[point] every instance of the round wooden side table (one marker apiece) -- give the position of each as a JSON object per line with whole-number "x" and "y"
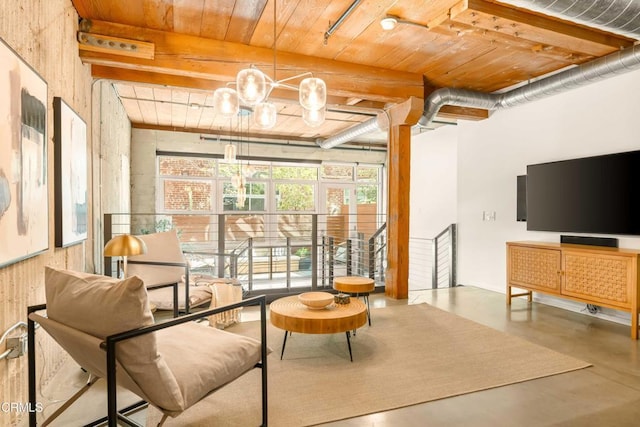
{"x": 290, "y": 314}
{"x": 356, "y": 285}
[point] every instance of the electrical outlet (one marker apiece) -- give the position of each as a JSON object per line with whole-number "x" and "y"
{"x": 488, "y": 215}
{"x": 18, "y": 346}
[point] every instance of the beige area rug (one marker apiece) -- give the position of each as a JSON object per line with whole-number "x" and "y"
{"x": 411, "y": 354}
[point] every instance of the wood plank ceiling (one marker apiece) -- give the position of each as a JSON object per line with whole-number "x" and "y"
{"x": 185, "y": 49}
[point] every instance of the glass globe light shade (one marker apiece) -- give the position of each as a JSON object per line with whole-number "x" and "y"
{"x": 230, "y": 152}
{"x": 265, "y": 115}
{"x": 226, "y": 102}
{"x": 238, "y": 180}
{"x": 242, "y": 197}
{"x": 314, "y": 118}
{"x": 252, "y": 86}
{"x": 313, "y": 93}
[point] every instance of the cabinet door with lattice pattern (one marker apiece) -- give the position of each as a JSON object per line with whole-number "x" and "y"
{"x": 534, "y": 268}
{"x": 598, "y": 277}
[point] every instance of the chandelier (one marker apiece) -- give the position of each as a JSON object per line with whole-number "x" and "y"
{"x": 253, "y": 88}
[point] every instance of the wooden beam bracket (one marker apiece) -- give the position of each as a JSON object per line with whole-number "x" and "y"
{"x": 115, "y": 45}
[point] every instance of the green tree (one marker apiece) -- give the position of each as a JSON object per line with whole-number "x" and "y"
{"x": 295, "y": 197}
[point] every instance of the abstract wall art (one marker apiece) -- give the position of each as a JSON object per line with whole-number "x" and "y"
{"x": 70, "y": 141}
{"x": 24, "y": 207}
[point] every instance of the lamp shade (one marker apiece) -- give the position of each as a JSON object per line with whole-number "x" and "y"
{"x": 225, "y": 102}
{"x": 313, "y": 93}
{"x": 265, "y": 115}
{"x": 242, "y": 196}
{"x": 252, "y": 86}
{"x": 238, "y": 180}
{"x": 313, "y": 118}
{"x": 230, "y": 153}
{"x": 124, "y": 245}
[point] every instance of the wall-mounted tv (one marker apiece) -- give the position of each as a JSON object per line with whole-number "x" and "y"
{"x": 598, "y": 194}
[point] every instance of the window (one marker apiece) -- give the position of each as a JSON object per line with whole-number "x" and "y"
{"x": 295, "y": 197}
{"x": 255, "y": 197}
{"x": 186, "y": 166}
{"x": 187, "y": 195}
{"x": 295, "y": 172}
{"x": 337, "y": 172}
{"x": 205, "y": 185}
{"x": 367, "y": 194}
{"x": 228, "y": 170}
{"x": 368, "y": 187}
{"x": 257, "y": 171}
{"x": 367, "y": 173}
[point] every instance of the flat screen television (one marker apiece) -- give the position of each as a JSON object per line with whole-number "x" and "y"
{"x": 598, "y": 194}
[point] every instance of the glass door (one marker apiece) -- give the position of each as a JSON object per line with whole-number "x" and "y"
{"x": 338, "y": 209}
{"x": 337, "y": 221}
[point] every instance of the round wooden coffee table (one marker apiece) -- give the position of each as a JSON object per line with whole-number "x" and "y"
{"x": 356, "y": 285}
{"x": 290, "y": 314}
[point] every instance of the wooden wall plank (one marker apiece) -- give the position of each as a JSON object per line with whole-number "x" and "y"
{"x": 244, "y": 20}
{"x": 216, "y": 17}
{"x": 187, "y": 16}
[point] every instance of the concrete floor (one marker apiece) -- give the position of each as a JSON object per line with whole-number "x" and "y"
{"x": 606, "y": 394}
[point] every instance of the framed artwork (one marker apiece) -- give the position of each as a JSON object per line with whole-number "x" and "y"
{"x": 24, "y": 206}
{"x": 70, "y": 140}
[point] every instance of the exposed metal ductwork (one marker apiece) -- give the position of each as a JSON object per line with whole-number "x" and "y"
{"x": 375, "y": 124}
{"x": 615, "y": 63}
{"x": 615, "y": 16}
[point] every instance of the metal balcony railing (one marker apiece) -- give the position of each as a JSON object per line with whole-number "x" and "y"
{"x": 433, "y": 262}
{"x": 269, "y": 253}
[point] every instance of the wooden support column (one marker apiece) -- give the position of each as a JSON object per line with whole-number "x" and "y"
{"x": 402, "y": 117}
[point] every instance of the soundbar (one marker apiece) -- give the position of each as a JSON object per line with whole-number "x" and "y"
{"x": 591, "y": 241}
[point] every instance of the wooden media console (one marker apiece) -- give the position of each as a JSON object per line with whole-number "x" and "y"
{"x": 597, "y": 275}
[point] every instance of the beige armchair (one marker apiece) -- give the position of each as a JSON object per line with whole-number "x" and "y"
{"x": 162, "y": 265}
{"x": 106, "y": 326}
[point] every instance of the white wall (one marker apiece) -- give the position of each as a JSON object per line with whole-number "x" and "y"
{"x": 596, "y": 119}
{"x": 433, "y": 192}
{"x": 433, "y": 198}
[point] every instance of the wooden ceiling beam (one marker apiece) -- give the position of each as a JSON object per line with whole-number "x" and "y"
{"x": 224, "y": 134}
{"x": 138, "y": 76}
{"x": 544, "y": 30}
{"x": 406, "y": 113}
{"x": 462, "y": 113}
{"x": 172, "y": 80}
{"x": 197, "y": 57}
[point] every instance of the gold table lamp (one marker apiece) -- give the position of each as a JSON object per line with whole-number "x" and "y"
{"x": 124, "y": 245}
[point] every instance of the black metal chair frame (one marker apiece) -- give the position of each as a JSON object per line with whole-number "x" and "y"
{"x": 113, "y": 415}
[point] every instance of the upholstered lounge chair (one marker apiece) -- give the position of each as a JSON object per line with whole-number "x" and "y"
{"x": 163, "y": 264}
{"x": 107, "y": 327}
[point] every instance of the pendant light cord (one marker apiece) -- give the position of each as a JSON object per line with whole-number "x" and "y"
{"x": 275, "y": 6}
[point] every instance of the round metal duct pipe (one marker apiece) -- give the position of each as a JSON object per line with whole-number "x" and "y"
{"x": 613, "y": 64}
{"x": 615, "y": 16}
{"x": 375, "y": 124}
